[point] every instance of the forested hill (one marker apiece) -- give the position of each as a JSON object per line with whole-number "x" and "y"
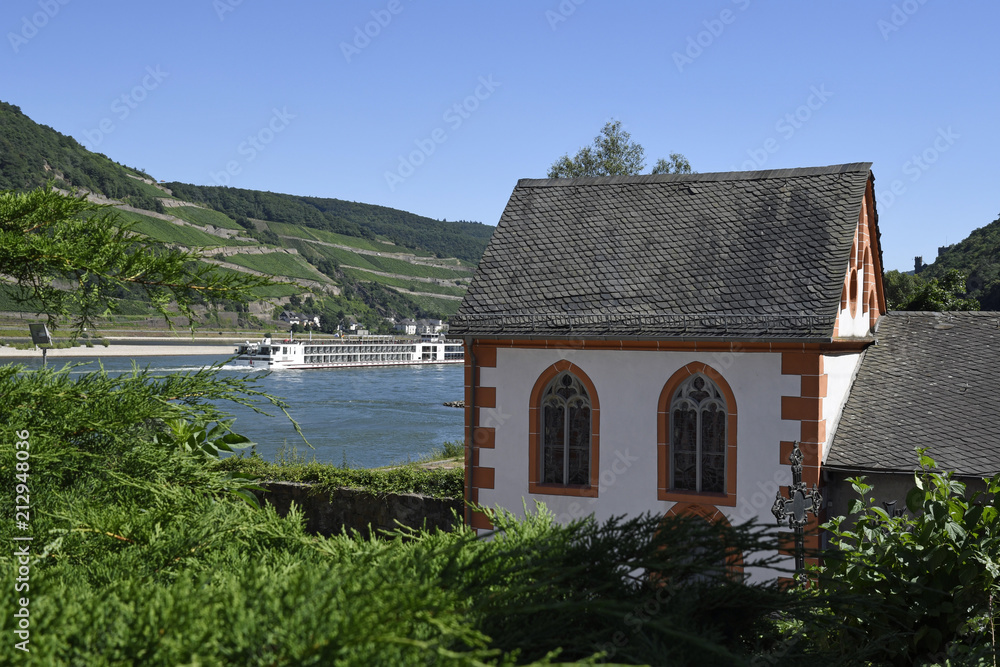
{"x": 32, "y": 155}
{"x": 465, "y": 240}
{"x": 978, "y": 257}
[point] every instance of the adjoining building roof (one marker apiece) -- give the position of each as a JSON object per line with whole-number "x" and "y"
{"x": 724, "y": 255}
{"x": 931, "y": 381}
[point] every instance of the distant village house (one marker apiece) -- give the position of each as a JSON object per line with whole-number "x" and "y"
{"x": 298, "y": 318}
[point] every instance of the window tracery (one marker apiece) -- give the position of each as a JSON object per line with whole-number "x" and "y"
{"x": 566, "y": 434}
{"x": 698, "y": 437}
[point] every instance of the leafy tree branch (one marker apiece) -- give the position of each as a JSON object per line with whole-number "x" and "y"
{"x": 905, "y": 291}
{"x": 614, "y": 154}
{"x": 71, "y": 258}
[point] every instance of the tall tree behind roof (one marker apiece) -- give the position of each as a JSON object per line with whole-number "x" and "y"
{"x": 614, "y": 154}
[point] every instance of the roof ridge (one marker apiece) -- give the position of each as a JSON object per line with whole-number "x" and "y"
{"x": 697, "y": 178}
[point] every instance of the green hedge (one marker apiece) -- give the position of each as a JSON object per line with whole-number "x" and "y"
{"x": 409, "y": 478}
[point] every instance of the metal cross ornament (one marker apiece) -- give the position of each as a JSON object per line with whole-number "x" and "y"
{"x": 793, "y": 511}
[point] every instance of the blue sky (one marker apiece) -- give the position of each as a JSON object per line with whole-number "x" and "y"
{"x": 438, "y": 108}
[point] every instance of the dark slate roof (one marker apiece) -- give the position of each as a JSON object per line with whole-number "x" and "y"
{"x": 931, "y": 381}
{"x": 758, "y": 254}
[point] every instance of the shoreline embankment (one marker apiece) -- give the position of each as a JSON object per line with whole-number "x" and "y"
{"x": 131, "y": 347}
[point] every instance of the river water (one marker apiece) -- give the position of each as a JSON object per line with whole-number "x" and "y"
{"x": 371, "y": 416}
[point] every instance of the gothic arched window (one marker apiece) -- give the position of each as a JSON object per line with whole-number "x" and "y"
{"x": 698, "y": 437}
{"x": 566, "y": 432}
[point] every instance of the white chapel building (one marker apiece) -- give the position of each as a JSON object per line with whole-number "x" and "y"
{"x": 658, "y": 343}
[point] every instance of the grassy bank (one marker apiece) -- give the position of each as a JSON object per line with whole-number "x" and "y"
{"x": 412, "y": 477}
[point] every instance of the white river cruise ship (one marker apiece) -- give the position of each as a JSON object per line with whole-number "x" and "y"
{"x": 351, "y": 351}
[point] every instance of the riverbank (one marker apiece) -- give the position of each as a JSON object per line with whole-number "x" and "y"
{"x": 347, "y": 414}
{"x": 132, "y": 348}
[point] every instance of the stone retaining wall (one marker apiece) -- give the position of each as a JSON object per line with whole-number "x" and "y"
{"x": 331, "y": 512}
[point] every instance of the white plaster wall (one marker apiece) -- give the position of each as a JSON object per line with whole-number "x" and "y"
{"x": 628, "y": 384}
{"x": 841, "y": 369}
{"x": 859, "y": 324}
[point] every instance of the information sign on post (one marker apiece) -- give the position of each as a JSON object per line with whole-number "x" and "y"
{"x": 40, "y": 336}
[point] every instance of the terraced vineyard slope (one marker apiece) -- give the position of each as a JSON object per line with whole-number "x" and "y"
{"x": 346, "y": 261}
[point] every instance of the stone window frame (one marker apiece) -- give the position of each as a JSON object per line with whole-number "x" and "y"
{"x": 685, "y": 397}
{"x": 535, "y": 428}
{"x": 663, "y": 451}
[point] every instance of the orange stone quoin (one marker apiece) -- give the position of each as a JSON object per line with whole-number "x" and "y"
{"x": 478, "y": 437}
{"x": 807, "y": 409}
